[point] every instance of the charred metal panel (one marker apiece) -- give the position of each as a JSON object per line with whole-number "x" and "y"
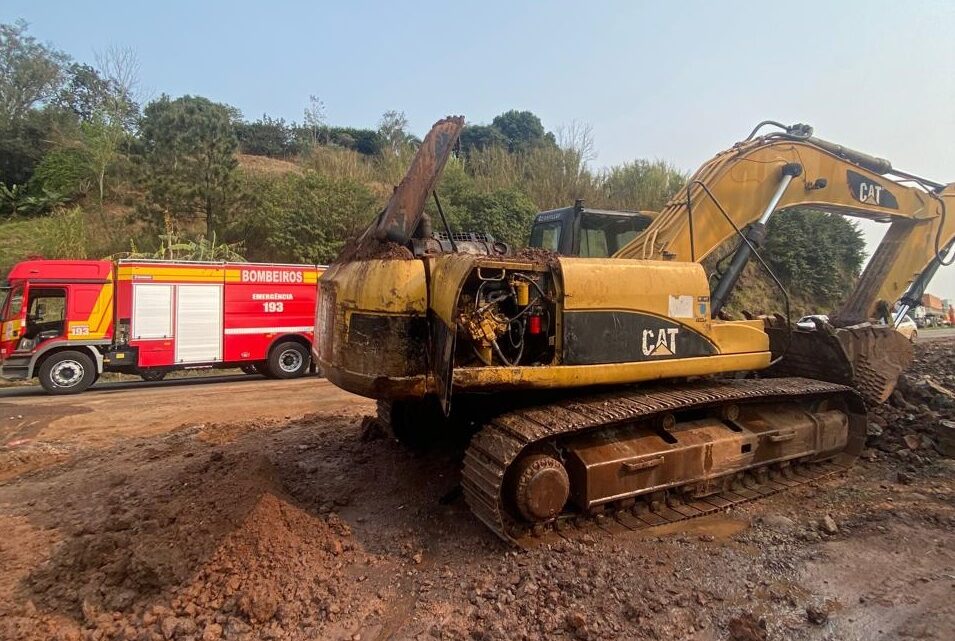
{"x": 387, "y": 344}
{"x": 443, "y": 338}
{"x": 400, "y": 217}
{"x": 593, "y": 337}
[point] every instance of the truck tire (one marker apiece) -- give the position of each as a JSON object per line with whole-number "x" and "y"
{"x": 67, "y": 372}
{"x": 288, "y": 360}
{"x": 153, "y": 375}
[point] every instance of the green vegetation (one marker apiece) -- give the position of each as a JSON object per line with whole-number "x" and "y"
{"x": 86, "y": 170}
{"x": 817, "y": 257}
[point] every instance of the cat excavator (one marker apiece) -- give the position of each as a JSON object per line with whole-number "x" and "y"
{"x": 609, "y": 388}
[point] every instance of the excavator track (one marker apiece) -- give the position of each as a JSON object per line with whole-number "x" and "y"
{"x": 492, "y": 455}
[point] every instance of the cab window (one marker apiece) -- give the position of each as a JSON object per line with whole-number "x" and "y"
{"x": 46, "y": 312}
{"x": 593, "y": 243}
{"x": 603, "y": 235}
{"x": 546, "y": 235}
{"x": 16, "y": 303}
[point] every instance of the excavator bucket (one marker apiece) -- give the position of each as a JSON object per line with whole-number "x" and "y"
{"x": 866, "y": 357}
{"x": 404, "y": 210}
{"x": 396, "y": 223}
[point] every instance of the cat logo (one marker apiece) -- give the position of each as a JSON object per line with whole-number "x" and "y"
{"x": 660, "y": 342}
{"x": 869, "y": 192}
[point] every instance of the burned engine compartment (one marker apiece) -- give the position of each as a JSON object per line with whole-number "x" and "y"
{"x": 507, "y": 316}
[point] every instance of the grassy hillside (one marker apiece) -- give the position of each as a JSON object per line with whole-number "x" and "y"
{"x": 18, "y": 240}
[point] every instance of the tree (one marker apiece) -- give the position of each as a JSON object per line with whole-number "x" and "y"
{"x": 24, "y": 142}
{"x": 31, "y": 73}
{"x": 393, "y": 129}
{"x": 477, "y": 137}
{"x": 314, "y": 119}
{"x": 815, "y": 253}
{"x": 113, "y": 114}
{"x": 266, "y": 137}
{"x": 522, "y": 130}
{"x": 83, "y": 92}
{"x": 189, "y": 147}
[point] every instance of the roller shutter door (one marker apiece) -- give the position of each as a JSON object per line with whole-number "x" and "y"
{"x": 198, "y": 323}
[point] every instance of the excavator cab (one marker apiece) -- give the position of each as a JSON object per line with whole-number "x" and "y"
{"x": 589, "y": 233}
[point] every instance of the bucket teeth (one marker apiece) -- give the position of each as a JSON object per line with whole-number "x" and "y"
{"x": 867, "y": 358}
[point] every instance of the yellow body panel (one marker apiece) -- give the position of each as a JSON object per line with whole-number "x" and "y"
{"x": 566, "y": 376}
{"x": 11, "y": 329}
{"x": 99, "y": 320}
{"x": 640, "y": 285}
{"x": 380, "y": 286}
{"x": 393, "y": 293}
{"x": 450, "y": 270}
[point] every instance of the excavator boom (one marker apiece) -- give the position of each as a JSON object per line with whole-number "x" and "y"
{"x": 731, "y": 191}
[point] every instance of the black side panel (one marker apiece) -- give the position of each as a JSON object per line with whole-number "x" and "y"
{"x": 867, "y": 191}
{"x": 443, "y": 338}
{"x": 593, "y": 337}
{"x": 389, "y": 345}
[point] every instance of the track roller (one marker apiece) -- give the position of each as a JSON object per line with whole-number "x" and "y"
{"x": 541, "y": 487}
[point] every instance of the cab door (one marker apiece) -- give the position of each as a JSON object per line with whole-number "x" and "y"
{"x": 13, "y": 319}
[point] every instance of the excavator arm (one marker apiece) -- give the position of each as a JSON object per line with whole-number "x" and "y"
{"x": 744, "y": 185}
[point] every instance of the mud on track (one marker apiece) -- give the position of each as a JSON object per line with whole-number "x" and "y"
{"x": 258, "y": 526}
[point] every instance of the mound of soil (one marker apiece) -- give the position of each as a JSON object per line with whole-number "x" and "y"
{"x": 216, "y": 550}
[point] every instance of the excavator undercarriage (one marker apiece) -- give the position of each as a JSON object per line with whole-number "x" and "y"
{"x": 646, "y": 456}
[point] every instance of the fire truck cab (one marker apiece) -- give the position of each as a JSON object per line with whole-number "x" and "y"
{"x": 66, "y": 322}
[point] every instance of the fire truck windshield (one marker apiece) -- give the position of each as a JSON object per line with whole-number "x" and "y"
{"x": 12, "y": 303}
{"x": 4, "y": 294}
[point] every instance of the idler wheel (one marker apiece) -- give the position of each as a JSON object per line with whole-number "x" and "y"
{"x": 541, "y": 487}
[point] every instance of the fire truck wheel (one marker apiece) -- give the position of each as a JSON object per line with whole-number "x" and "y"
{"x": 288, "y": 360}
{"x": 250, "y": 369}
{"x": 153, "y": 375}
{"x": 67, "y": 372}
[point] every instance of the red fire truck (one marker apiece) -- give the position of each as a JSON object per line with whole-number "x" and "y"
{"x": 67, "y": 321}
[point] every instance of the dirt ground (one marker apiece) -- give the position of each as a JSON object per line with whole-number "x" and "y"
{"x": 256, "y": 509}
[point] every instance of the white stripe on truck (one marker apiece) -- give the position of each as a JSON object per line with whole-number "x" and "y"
{"x": 269, "y": 330}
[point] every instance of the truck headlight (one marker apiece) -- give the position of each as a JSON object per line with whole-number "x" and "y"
{"x": 26, "y": 344}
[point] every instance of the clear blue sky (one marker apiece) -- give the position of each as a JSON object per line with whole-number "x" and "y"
{"x": 673, "y": 80}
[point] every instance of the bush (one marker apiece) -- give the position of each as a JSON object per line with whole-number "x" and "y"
{"x": 641, "y": 184}
{"x": 505, "y": 213}
{"x": 64, "y": 171}
{"x": 300, "y": 217}
{"x": 63, "y": 235}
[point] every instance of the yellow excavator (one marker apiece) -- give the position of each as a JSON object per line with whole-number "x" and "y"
{"x": 596, "y": 373}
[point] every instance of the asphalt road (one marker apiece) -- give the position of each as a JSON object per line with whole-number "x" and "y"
{"x": 20, "y": 391}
